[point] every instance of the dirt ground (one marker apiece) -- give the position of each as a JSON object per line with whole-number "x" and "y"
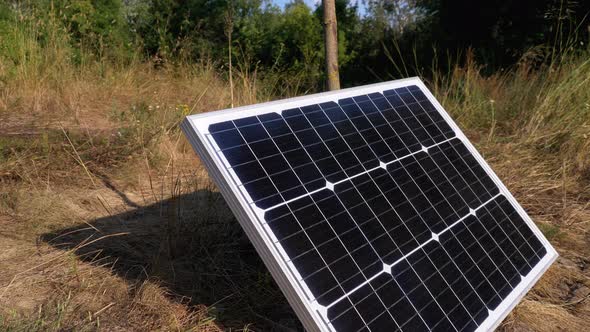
{"x": 158, "y": 249}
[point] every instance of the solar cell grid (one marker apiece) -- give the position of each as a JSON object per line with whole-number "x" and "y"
{"x": 278, "y": 157}
{"x": 384, "y": 217}
{"x": 464, "y": 281}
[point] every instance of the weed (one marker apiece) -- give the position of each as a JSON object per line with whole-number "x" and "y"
{"x": 551, "y": 232}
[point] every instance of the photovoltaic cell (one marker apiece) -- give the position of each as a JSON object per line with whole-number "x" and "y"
{"x": 378, "y": 210}
{"x": 280, "y": 157}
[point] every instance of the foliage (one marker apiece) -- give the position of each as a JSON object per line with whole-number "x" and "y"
{"x": 501, "y": 31}
{"x": 391, "y": 38}
{"x": 96, "y": 25}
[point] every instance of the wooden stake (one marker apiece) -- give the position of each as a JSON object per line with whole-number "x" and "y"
{"x": 331, "y": 42}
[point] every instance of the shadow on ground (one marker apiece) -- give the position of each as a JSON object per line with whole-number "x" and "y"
{"x": 193, "y": 245}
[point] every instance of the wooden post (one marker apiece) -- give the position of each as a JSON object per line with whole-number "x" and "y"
{"x": 331, "y": 42}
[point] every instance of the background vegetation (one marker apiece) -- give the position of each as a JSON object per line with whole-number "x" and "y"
{"x": 109, "y": 222}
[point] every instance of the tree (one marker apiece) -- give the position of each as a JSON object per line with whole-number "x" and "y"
{"x": 501, "y": 30}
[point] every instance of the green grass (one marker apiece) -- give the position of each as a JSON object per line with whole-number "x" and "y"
{"x": 551, "y": 232}
{"x": 51, "y": 317}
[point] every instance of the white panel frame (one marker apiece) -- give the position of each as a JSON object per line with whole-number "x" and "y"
{"x": 251, "y": 217}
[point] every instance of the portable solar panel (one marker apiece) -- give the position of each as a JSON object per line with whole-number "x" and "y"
{"x": 372, "y": 210}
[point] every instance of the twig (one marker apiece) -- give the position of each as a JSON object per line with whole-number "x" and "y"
{"x": 578, "y": 301}
{"x": 103, "y": 309}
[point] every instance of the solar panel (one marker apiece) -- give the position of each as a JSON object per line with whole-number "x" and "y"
{"x": 372, "y": 210}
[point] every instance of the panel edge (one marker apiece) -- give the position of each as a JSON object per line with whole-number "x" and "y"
{"x": 269, "y": 258}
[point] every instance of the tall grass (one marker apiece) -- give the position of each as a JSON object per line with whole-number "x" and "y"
{"x": 44, "y": 73}
{"x": 546, "y": 108}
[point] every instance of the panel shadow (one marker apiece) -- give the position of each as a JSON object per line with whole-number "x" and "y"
{"x": 192, "y": 245}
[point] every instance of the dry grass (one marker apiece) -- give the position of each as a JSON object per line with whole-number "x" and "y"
{"x": 109, "y": 222}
